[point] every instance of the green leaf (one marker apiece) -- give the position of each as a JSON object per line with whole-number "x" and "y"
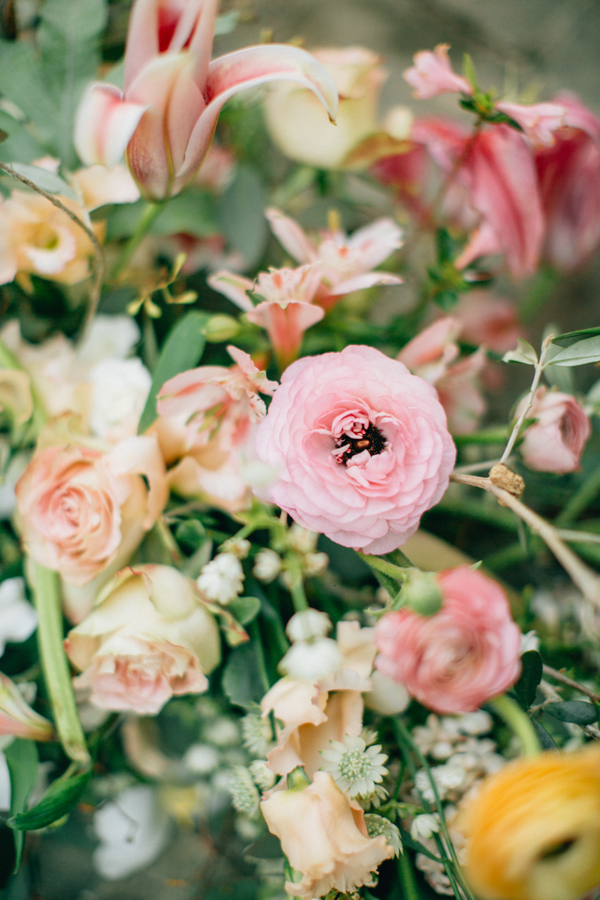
{"x": 579, "y": 354}
{"x": 524, "y": 353}
{"x": 241, "y": 215}
{"x": 22, "y": 83}
{"x": 241, "y": 678}
{"x": 577, "y": 711}
{"x": 23, "y": 764}
{"x": 46, "y": 180}
{"x": 531, "y": 675}
{"x": 191, "y": 212}
{"x": 69, "y": 43}
{"x": 571, "y": 335}
{"x": 182, "y": 351}
{"x": 545, "y": 739}
{"x": 59, "y": 800}
{"x": 244, "y": 609}
{"x": 468, "y": 70}
{"x": 19, "y": 143}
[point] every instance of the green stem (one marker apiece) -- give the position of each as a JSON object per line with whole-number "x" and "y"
{"x": 55, "y": 666}
{"x": 407, "y": 877}
{"x": 519, "y": 723}
{"x": 382, "y": 565}
{"x": 580, "y": 499}
{"x": 489, "y": 436}
{"x": 146, "y": 221}
{"x": 297, "y": 591}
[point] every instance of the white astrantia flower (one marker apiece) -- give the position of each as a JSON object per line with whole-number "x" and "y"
{"x": 424, "y": 826}
{"x": 307, "y": 625}
{"x": 355, "y": 768}
{"x": 257, "y": 734}
{"x": 18, "y": 618}
{"x": 377, "y": 825}
{"x": 312, "y": 660}
{"x": 222, "y": 578}
{"x": 244, "y": 795}
{"x": 263, "y": 777}
{"x": 267, "y": 565}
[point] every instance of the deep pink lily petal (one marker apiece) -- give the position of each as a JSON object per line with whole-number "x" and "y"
{"x": 248, "y": 68}
{"x": 233, "y": 287}
{"x": 157, "y": 26}
{"x": 104, "y": 125}
{"x": 291, "y": 237}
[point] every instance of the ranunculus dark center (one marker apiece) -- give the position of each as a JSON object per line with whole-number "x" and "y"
{"x": 372, "y": 440}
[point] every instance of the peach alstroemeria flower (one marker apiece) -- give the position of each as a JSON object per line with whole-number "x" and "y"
{"x": 345, "y": 262}
{"x": 166, "y": 115}
{"x": 432, "y": 75}
{"x": 17, "y": 717}
{"x": 286, "y": 311}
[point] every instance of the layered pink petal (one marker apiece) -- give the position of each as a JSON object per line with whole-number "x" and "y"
{"x": 104, "y": 124}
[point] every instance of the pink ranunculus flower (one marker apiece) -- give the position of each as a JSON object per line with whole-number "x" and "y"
{"x": 432, "y": 75}
{"x": 569, "y": 181}
{"x": 360, "y": 445}
{"x": 346, "y": 262}
{"x": 167, "y": 113}
{"x": 149, "y": 637}
{"x": 555, "y": 442}
{"x": 539, "y": 121}
{"x": 205, "y": 420}
{"x": 463, "y": 655}
{"x": 82, "y": 508}
{"x": 287, "y": 309}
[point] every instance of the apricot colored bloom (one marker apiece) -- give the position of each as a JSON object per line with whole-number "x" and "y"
{"x": 346, "y": 262}
{"x": 555, "y": 442}
{"x": 432, "y": 75}
{"x": 205, "y": 419}
{"x": 361, "y": 448}
{"x": 299, "y": 125}
{"x": 533, "y": 829}
{"x": 148, "y": 638}
{"x": 324, "y": 837}
{"x": 456, "y": 659}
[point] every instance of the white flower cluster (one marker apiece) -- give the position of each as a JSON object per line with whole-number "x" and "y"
{"x": 312, "y": 656}
{"x": 222, "y": 579}
{"x": 269, "y": 564}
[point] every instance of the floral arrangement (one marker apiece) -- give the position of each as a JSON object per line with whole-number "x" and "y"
{"x": 298, "y": 522}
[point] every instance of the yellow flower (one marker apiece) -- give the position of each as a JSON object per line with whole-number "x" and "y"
{"x": 534, "y": 829}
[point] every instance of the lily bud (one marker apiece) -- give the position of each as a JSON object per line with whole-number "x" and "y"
{"x": 17, "y": 717}
{"x": 221, "y": 328}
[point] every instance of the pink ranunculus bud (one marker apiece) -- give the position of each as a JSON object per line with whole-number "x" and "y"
{"x": 206, "y": 418}
{"x": 539, "y": 121}
{"x": 148, "y": 638}
{"x": 465, "y": 654}
{"x": 324, "y": 837}
{"x": 555, "y": 442}
{"x": 569, "y": 180}
{"x": 360, "y": 445}
{"x": 81, "y": 509}
{"x": 166, "y": 115}
{"x": 17, "y": 717}
{"x": 432, "y": 75}
{"x": 346, "y": 262}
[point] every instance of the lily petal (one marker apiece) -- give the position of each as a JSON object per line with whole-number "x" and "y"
{"x": 104, "y": 124}
{"x": 362, "y": 282}
{"x": 233, "y": 287}
{"x": 291, "y": 237}
{"x": 248, "y": 68}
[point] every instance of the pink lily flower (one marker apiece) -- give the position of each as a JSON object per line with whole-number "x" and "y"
{"x": 345, "y": 262}
{"x": 432, "y": 75}
{"x": 287, "y": 310}
{"x": 166, "y": 115}
{"x": 539, "y": 121}
{"x": 569, "y": 180}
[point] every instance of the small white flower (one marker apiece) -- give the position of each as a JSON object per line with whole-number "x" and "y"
{"x": 529, "y": 641}
{"x": 267, "y": 565}
{"x": 239, "y": 548}
{"x": 312, "y": 660}
{"x": 479, "y": 722}
{"x": 355, "y": 767}
{"x": 257, "y": 734}
{"x": 18, "y": 618}
{"x": 133, "y": 830}
{"x": 387, "y": 697}
{"x": 315, "y": 564}
{"x": 201, "y": 758}
{"x": 244, "y": 795}
{"x": 264, "y": 777}
{"x": 424, "y": 827}
{"x": 308, "y": 624}
{"x": 222, "y": 578}
{"x": 223, "y": 732}
{"x": 447, "y": 778}
{"x": 301, "y": 539}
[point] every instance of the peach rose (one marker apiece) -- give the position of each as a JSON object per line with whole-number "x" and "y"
{"x": 324, "y": 837}
{"x": 149, "y": 637}
{"x": 82, "y": 508}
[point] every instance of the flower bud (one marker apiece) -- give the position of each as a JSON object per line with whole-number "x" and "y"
{"x": 267, "y": 565}
{"x": 221, "y": 328}
{"x": 421, "y": 593}
{"x": 221, "y": 578}
{"x": 17, "y": 717}
{"x": 308, "y": 624}
{"x": 423, "y": 827}
{"x": 312, "y": 661}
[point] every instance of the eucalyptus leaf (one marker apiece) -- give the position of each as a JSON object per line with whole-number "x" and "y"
{"x": 182, "y": 350}
{"x": 531, "y": 675}
{"x": 21, "y": 82}
{"x": 23, "y": 764}
{"x": 241, "y": 678}
{"x": 46, "y": 180}
{"x": 579, "y": 354}
{"x": 577, "y": 711}
{"x": 245, "y": 609}
{"x": 524, "y": 353}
